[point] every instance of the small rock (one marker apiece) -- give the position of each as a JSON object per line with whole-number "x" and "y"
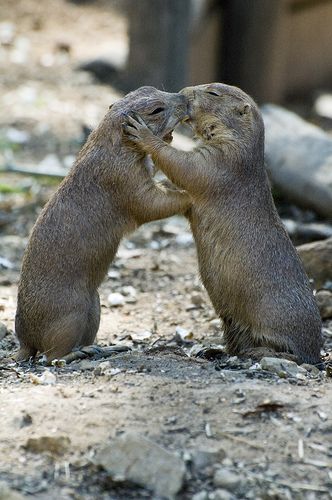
{"x": 3, "y": 330}
{"x": 197, "y": 299}
{"x": 183, "y": 335}
{"x": 226, "y": 479}
{"x": 317, "y": 260}
{"x": 282, "y": 367}
{"x": 311, "y": 369}
{"x": 6, "y": 493}
{"x": 324, "y": 301}
{"x": 86, "y": 365}
{"x": 220, "y": 494}
{"x": 113, "y": 274}
{"x": 141, "y": 336}
{"x": 184, "y": 240}
{"x": 201, "y": 495}
{"x": 134, "y": 458}
{"x": 206, "y": 457}
{"x": 130, "y": 294}
{"x": 116, "y": 299}
{"x": 47, "y": 378}
{"x": 129, "y": 290}
{"x": 105, "y": 368}
{"x": 5, "y": 263}
{"x": 56, "y": 445}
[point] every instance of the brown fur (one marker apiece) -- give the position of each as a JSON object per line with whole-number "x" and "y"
{"x": 247, "y": 262}
{"x": 108, "y": 193}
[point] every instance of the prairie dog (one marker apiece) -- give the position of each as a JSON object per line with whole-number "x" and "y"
{"x": 248, "y": 265}
{"x": 107, "y": 194}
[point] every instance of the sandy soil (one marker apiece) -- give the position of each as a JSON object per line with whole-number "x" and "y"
{"x": 161, "y": 388}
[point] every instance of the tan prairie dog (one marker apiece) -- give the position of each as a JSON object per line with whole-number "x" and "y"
{"x": 247, "y": 262}
{"x": 108, "y": 193}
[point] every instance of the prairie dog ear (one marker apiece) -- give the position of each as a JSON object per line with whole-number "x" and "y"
{"x": 244, "y": 108}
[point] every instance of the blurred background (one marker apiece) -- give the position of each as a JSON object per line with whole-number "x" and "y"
{"x": 63, "y": 62}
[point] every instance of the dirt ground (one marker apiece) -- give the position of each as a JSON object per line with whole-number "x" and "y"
{"x": 166, "y": 387}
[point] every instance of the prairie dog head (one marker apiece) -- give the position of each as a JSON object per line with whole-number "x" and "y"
{"x": 222, "y": 114}
{"x": 161, "y": 111}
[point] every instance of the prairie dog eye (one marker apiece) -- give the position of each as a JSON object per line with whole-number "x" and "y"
{"x": 212, "y": 93}
{"x": 156, "y": 111}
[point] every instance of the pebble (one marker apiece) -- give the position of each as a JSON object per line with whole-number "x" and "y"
{"x": 220, "y": 494}
{"x": 3, "y": 330}
{"x": 116, "y": 299}
{"x": 206, "y": 457}
{"x": 324, "y": 301}
{"x": 86, "y": 364}
{"x": 128, "y": 290}
{"x": 201, "y": 495}
{"x": 141, "y": 336}
{"x": 226, "y": 479}
{"x": 316, "y": 257}
{"x": 47, "y": 378}
{"x": 197, "y": 299}
{"x": 184, "y": 240}
{"x": 182, "y": 334}
{"x": 5, "y": 263}
{"x": 130, "y": 294}
{"x": 134, "y": 458}
{"x": 311, "y": 369}
{"x": 282, "y": 367}
{"x": 113, "y": 274}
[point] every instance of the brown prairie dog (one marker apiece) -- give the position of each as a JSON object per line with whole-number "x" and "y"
{"x": 107, "y": 194}
{"x": 247, "y": 262}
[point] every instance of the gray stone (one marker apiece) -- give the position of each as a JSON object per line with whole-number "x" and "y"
{"x": 197, "y": 299}
{"x": 313, "y": 370}
{"x": 135, "y": 458}
{"x": 226, "y": 479}
{"x": 299, "y": 159}
{"x": 201, "y": 495}
{"x": 324, "y": 301}
{"x": 206, "y": 457}
{"x": 220, "y": 494}
{"x": 6, "y": 493}
{"x": 116, "y": 299}
{"x": 184, "y": 240}
{"x": 317, "y": 260}
{"x": 282, "y": 367}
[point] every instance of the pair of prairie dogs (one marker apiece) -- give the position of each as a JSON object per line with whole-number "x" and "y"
{"x": 247, "y": 263}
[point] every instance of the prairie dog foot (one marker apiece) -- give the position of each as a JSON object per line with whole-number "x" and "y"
{"x": 93, "y": 351}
